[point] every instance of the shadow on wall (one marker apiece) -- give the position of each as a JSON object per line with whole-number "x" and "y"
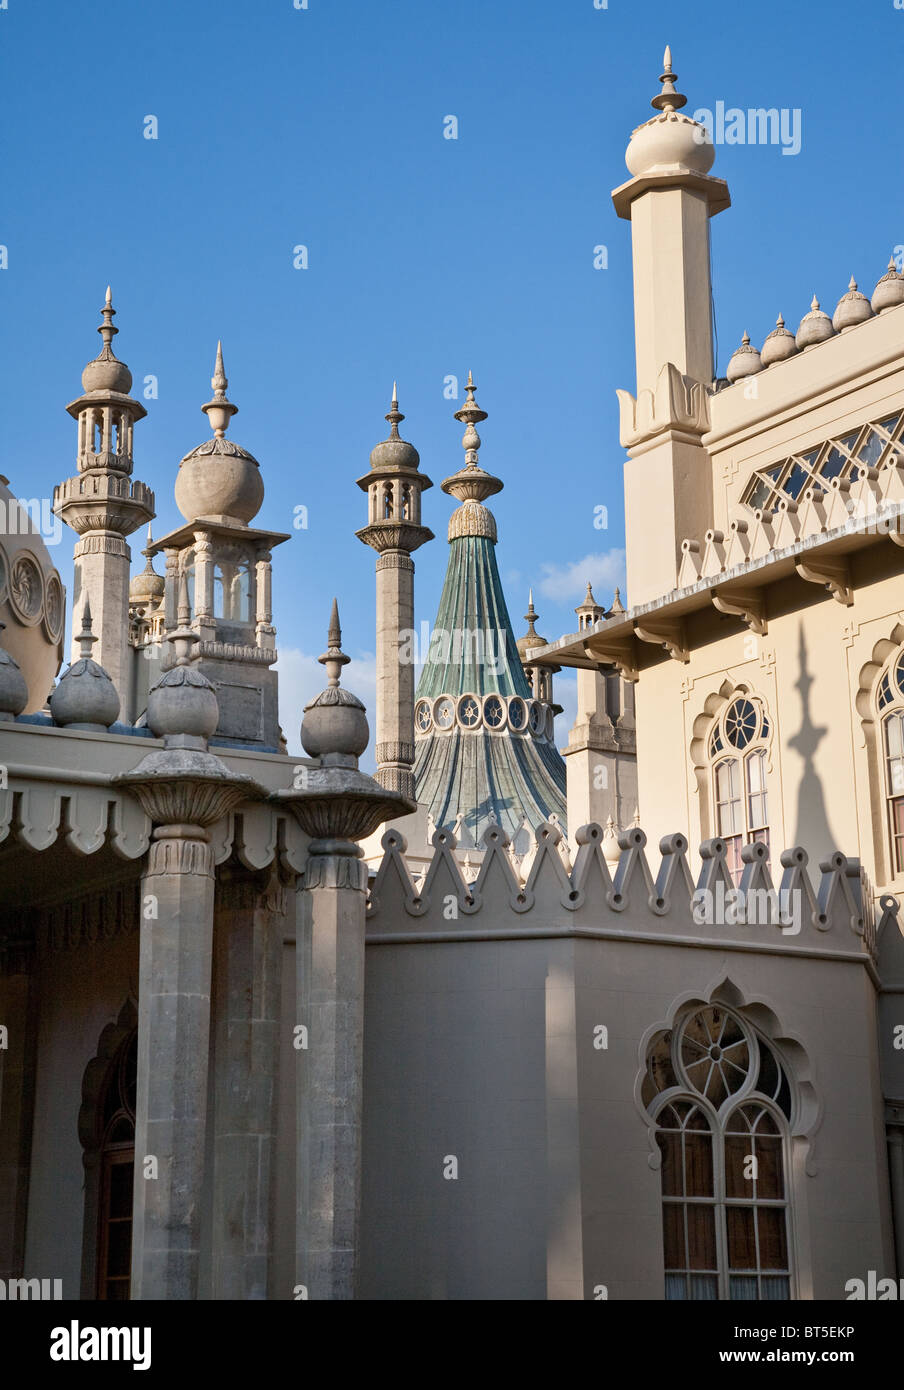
{"x": 812, "y": 829}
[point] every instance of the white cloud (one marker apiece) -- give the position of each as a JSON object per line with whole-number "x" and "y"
{"x": 301, "y": 677}
{"x": 565, "y": 583}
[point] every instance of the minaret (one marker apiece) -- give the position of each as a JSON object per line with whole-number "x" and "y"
{"x": 601, "y": 756}
{"x": 394, "y": 486}
{"x": 104, "y": 506}
{"x": 668, "y": 201}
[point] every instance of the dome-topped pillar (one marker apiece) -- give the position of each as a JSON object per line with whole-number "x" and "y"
{"x": 104, "y": 505}
{"x": 669, "y": 201}
{"x": 394, "y": 486}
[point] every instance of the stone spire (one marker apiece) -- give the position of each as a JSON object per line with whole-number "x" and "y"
{"x": 334, "y": 727}
{"x": 472, "y": 485}
{"x": 394, "y": 484}
{"x": 103, "y": 505}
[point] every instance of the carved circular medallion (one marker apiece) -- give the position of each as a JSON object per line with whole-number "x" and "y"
{"x": 26, "y": 589}
{"x": 422, "y": 717}
{"x": 444, "y": 713}
{"x": 469, "y": 711}
{"x": 493, "y": 712}
{"x": 517, "y": 713}
{"x": 54, "y": 611}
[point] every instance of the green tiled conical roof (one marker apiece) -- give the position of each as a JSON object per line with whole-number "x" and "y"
{"x": 490, "y": 757}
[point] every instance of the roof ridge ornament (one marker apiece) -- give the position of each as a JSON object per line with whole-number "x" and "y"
{"x": 669, "y": 99}
{"x": 108, "y": 329}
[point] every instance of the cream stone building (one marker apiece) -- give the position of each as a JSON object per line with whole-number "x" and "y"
{"x": 624, "y": 1020}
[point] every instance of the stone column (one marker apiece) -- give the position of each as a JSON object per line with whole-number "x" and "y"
{"x": 395, "y": 677}
{"x": 204, "y": 597}
{"x": 102, "y": 566}
{"x": 251, "y": 923}
{"x": 330, "y": 985}
{"x": 173, "y": 1044}
{"x": 263, "y": 605}
{"x": 18, "y": 1015}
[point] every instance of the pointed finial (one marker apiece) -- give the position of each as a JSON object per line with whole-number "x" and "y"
{"x": 588, "y": 597}
{"x": 814, "y": 303}
{"x": 531, "y": 615}
{"x": 150, "y": 537}
{"x": 394, "y": 416}
{"x": 668, "y": 99}
{"x": 617, "y": 605}
{"x": 891, "y": 263}
{"x": 470, "y": 414}
{"x": 107, "y": 329}
{"x": 852, "y": 284}
{"x": 219, "y": 410}
{"x": 780, "y": 322}
{"x": 86, "y": 637}
{"x": 334, "y": 657}
{"x": 745, "y": 341}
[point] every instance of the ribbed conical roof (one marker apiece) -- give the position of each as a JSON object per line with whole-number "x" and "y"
{"x": 483, "y": 745}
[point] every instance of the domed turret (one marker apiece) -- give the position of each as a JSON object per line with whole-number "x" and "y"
{"x": 219, "y": 479}
{"x": 852, "y": 308}
{"x": 147, "y": 587}
{"x": 394, "y": 453}
{"x": 668, "y": 141}
{"x": 334, "y": 726}
{"x": 779, "y": 345}
{"x": 889, "y": 291}
{"x": 85, "y": 697}
{"x": 744, "y": 361}
{"x": 815, "y": 327}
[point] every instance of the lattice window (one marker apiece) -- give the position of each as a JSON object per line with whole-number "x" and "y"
{"x": 838, "y": 457}
{"x": 737, "y": 750}
{"x": 722, "y": 1101}
{"x": 890, "y": 700}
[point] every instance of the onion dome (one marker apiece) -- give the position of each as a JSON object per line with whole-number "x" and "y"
{"x": 815, "y": 327}
{"x": 148, "y": 586}
{"x": 531, "y": 638}
{"x": 744, "y": 361}
{"x": 889, "y": 291}
{"x": 106, "y": 372}
{"x": 183, "y": 703}
{"x": 779, "y": 344}
{"x": 394, "y": 453}
{"x": 334, "y": 726}
{"x": 219, "y": 480}
{"x": 85, "y": 697}
{"x": 13, "y": 690}
{"x": 669, "y": 142}
{"x": 852, "y": 308}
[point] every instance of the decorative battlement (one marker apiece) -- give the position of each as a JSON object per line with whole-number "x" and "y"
{"x": 832, "y": 918}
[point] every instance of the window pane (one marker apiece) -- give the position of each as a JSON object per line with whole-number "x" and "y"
{"x": 673, "y": 1235}
{"x": 738, "y": 1148}
{"x": 894, "y": 741}
{"x": 698, "y": 1165}
{"x": 769, "y": 1181}
{"x": 675, "y": 1286}
{"x": 773, "y": 1247}
{"x": 701, "y": 1237}
{"x": 743, "y": 1288}
{"x": 741, "y": 1238}
{"x": 704, "y": 1287}
{"x": 772, "y": 1289}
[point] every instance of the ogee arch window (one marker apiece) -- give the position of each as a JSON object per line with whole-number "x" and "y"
{"x": 738, "y": 757}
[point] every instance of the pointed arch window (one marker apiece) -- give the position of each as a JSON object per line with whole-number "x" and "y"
{"x": 738, "y": 758}
{"x": 890, "y": 699}
{"x": 117, "y": 1164}
{"x": 722, "y": 1102}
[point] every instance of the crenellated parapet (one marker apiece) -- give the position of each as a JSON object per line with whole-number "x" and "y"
{"x": 796, "y": 913}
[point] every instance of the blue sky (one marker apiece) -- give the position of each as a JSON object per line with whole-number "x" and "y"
{"x": 324, "y": 127}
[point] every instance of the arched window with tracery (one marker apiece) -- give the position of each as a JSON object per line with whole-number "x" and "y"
{"x": 721, "y": 1101}
{"x": 738, "y": 758}
{"x": 117, "y": 1163}
{"x": 890, "y": 699}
